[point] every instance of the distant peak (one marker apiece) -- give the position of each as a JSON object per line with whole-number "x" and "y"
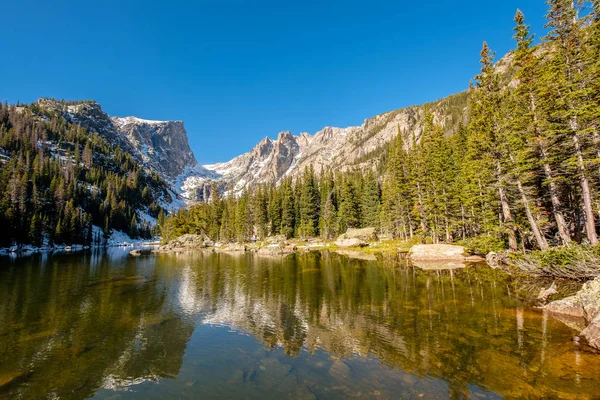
{"x": 284, "y": 134}
{"x": 265, "y": 140}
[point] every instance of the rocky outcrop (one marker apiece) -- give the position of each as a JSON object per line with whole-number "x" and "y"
{"x": 583, "y": 306}
{"x": 161, "y": 144}
{"x": 592, "y": 333}
{"x": 185, "y": 243}
{"x": 433, "y": 252}
{"x": 268, "y": 162}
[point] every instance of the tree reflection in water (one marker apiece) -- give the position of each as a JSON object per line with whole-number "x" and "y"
{"x": 327, "y": 326}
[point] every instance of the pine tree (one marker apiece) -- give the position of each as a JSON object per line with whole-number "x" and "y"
{"x": 370, "y": 201}
{"x": 522, "y": 137}
{"x": 309, "y": 204}
{"x": 288, "y": 212}
{"x": 328, "y": 217}
{"x": 349, "y": 212}
{"x": 566, "y": 98}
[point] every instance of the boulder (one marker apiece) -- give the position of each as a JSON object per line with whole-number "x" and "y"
{"x": 365, "y": 234}
{"x": 584, "y": 305}
{"x": 354, "y": 242}
{"x": 437, "y": 252}
{"x": 592, "y": 333}
{"x": 139, "y": 252}
{"x": 186, "y": 242}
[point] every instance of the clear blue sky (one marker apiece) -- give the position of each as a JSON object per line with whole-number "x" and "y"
{"x": 237, "y": 71}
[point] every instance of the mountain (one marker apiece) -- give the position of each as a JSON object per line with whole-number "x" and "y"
{"x": 161, "y": 146}
{"x": 355, "y": 147}
{"x": 69, "y": 176}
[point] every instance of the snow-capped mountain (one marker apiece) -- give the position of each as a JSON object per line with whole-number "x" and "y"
{"x": 343, "y": 149}
{"x": 161, "y": 146}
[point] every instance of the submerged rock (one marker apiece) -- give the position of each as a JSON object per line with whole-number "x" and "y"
{"x": 276, "y": 250}
{"x": 584, "y": 305}
{"x": 233, "y": 248}
{"x": 357, "y": 255}
{"x": 437, "y": 252}
{"x": 139, "y": 252}
{"x": 438, "y": 264}
{"x": 592, "y": 333}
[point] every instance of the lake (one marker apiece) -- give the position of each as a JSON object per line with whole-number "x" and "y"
{"x": 322, "y": 325}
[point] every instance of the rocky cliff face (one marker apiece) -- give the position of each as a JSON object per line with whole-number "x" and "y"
{"x": 268, "y": 162}
{"x": 161, "y": 146}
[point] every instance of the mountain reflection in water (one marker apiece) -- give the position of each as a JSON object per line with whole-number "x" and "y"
{"x": 315, "y": 325}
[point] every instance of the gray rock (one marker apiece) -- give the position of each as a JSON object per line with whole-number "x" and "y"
{"x": 437, "y": 252}
{"x": 354, "y": 242}
{"x": 592, "y": 333}
{"x": 185, "y": 242}
{"x": 585, "y": 305}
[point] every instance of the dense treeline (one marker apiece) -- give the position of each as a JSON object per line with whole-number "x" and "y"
{"x": 57, "y": 180}
{"x": 306, "y": 208}
{"x": 523, "y": 171}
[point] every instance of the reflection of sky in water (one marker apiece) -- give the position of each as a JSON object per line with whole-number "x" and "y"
{"x": 321, "y": 325}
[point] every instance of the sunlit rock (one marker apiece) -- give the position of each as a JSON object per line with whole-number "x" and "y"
{"x": 437, "y": 252}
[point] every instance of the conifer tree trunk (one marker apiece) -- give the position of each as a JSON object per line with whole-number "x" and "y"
{"x": 506, "y": 213}
{"x": 590, "y": 224}
{"x": 422, "y": 210}
{"x": 540, "y": 239}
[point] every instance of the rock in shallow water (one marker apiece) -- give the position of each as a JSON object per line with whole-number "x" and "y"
{"x": 584, "y": 305}
{"x": 437, "y": 252}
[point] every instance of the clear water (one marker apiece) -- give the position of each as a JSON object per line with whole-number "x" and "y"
{"x": 318, "y": 325}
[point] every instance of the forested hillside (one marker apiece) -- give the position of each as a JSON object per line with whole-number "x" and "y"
{"x": 57, "y": 180}
{"x": 522, "y": 172}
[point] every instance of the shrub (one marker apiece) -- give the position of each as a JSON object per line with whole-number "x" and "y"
{"x": 573, "y": 262}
